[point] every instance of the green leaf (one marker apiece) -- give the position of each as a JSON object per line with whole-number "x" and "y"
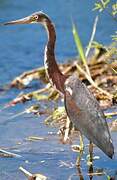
{"x": 98, "y": 6}
{"x": 39, "y": 96}
{"x": 108, "y": 177}
{"x": 80, "y": 48}
{"x": 78, "y": 44}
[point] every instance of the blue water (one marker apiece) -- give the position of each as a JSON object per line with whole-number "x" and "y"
{"x": 22, "y": 49}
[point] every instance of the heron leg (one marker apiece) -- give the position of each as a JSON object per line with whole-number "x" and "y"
{"x": 68, "y": 128}
{"x": 91, "y": 152}
{"x": 81, "y": 150}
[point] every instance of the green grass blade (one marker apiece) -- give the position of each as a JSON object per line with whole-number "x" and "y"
{"x": 80, "y": 48}
{"x": 78, "y": 44}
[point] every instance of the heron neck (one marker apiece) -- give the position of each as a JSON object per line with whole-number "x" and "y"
{"x": 55, "y": 76}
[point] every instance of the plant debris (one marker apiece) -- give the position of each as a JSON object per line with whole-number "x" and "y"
{"x": 31, "y": 176}
{"x": 101, "y": 72}
{"x": 36, "y": 138}
{"x": 4, "y": 153}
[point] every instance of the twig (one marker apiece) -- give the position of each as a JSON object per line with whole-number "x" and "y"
{"x": 9, "y": 153}
{"x": 32, "y": 176}
{"x": 92, "y": 82}
{"x": 110, "y": 113}
{"x": 26, "y": 97}
{"x": 26, "y": 173}
{"x": 92, "y": 36}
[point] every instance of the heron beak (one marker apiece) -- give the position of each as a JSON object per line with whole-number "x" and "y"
{"x": 26, "y": 20}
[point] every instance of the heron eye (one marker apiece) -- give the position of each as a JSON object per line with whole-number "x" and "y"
{"x": 36, "y": 17}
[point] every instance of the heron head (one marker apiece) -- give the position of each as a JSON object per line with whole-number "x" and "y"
{"x": 37, "y": 17}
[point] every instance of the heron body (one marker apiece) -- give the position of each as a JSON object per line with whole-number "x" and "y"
{"x": 81, "y": 106}
{"x": 85, "y": 113}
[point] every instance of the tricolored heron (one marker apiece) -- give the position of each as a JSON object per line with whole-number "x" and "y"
{"x": 81, "y": 106}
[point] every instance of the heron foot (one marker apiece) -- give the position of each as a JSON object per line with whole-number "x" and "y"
{"x": 81, "y": 149}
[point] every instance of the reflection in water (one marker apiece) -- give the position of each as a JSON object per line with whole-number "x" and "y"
{"x": 90, "y": 172}
{"x": 80, "y": 173}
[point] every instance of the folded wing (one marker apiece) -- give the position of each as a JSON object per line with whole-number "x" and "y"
{"x": 84, "y": 111}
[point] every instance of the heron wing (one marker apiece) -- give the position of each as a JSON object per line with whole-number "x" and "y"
{"x": 84, "y": 111}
